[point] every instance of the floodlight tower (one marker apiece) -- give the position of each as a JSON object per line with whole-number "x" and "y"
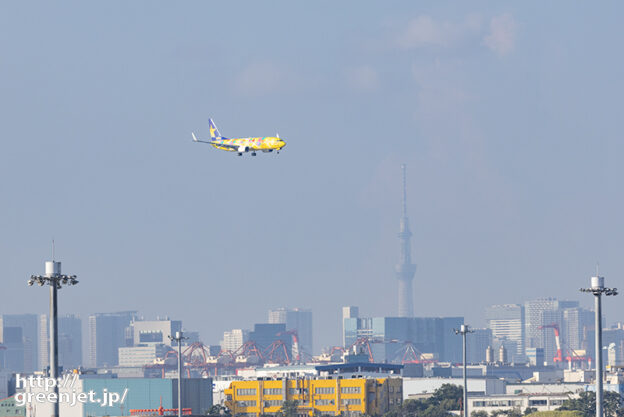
{"x": 464, "y": 330}
{"x": 597, "y": 288}
{"x": 179, "y": 338}
{"x": 55, "y": 280}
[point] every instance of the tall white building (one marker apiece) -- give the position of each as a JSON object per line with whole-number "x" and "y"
{"x": 154, "y": 332}
{"x": 295, "y": 319}
{"x": 507, "y": 322}
{"x": 234, "y": 339}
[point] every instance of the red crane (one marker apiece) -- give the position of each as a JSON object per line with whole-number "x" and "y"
{"x": 295, "y": 344}
{"x": 559, "y": 358}
{"x": 555, "y": 327}
{"x": 249, "y": 349}
{"x": 277, "y": 352}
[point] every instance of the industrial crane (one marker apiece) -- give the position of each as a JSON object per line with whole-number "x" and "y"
{"x": 572, "y": 356}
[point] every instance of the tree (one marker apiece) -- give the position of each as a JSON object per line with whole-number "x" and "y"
{"x": 585, "y": 404}
{"x": 218, "y": 410}
{"x": 447, "y": 397}
{"x": 479, "y": 413}
{"x": 288, "y": 409}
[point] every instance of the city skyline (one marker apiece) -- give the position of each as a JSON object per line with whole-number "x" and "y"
{"x": 505, "y": 323}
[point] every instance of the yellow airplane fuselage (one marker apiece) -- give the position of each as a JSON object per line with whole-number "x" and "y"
{"x": 265, "y": 144}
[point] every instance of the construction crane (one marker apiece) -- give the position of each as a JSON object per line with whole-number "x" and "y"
{"x": 555, "y": 327}
{"x": 571, "y": 356}
{"x": 296, "y": 354}
{"x": 277, "y": 352}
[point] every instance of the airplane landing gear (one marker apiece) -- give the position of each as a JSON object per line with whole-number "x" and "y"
{"x": 253, "y": 154}
{"x": 240, "y": 154}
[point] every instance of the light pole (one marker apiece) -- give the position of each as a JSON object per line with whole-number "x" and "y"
{"x": 598, "y": 288}
{"x": 55, "y": 280}
{"x": 179, "y": 338}
{"x": 464, "y": 330}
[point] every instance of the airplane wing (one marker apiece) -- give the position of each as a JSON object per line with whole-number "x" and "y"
{"x": 225, "y": 145}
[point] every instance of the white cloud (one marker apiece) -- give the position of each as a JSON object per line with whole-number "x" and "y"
{"x": 425, "y": 31}
{"x": 502, "y": 36}
{"x": 363, "y": 78}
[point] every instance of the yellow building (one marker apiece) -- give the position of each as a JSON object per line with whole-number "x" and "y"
{"x": 352, "y": 396}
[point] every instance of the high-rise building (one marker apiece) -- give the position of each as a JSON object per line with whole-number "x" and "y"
{"x": 296, "y": 319}
{"x": 69, "y": 341}
{"x": 576, "y": 322}
{"x": 12, "y": 343}
{"x": 107, "y": 333}
{"x": 141, "y": 355}
{"x": 507, "y": 321}
{"x": 614, "y": 338}
{"x": 348, "y": 312}
{"x": 44, "y": 342}
{"x": 405, "y": 270}
{"x": 29, "y": 323}
{"x": 389, "y": 336}
{"x": 535, "y": 356}
{"x": 192, "y": 337}
{"x": 265, "y": 334}
{"x": 477, "y": 343}
{"x": 539, "y": 315}
{"x": 451, "y": 342}
{"x": 234, "y": 339}
{"x": 154, "y": 332}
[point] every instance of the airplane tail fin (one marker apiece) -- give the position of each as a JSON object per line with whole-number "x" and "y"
{"x": 214, "y": 131}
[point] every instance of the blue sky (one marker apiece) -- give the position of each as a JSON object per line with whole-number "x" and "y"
{"x": 507, "y": 114}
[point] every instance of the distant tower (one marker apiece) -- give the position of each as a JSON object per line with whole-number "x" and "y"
{"x": 405, "y": 269}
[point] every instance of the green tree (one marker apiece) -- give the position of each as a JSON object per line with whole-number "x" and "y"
{"x": 529, "y": 410}
{"x": 288, "y": 409}
{"x": 514, "y": 412}
{"x": 447, "y": 397}
{"x": 585, "y": 404}
{"x": 218, "y": 410}
{"x": 479, "y": 413}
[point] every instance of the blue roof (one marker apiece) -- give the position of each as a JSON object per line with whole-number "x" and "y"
{"x": 365, "y": 366}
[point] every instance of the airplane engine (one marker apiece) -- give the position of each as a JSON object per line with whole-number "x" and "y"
{"x": 242, "y": 149}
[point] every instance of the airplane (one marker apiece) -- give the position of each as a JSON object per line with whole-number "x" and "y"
{"x": 242, "y": 145}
